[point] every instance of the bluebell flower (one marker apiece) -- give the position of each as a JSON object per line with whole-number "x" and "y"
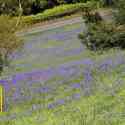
{"x": 51, "y": 106}
{"x": 87, "y": 75}
{"x": 76, "y": 85}
{"x": 105, "y": 65}
{"x": 88, "y": 61}
{"x": 60, "y": 101}
{"x": 44, "y": 89}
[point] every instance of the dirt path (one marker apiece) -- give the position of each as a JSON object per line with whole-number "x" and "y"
{"x": 51, "y": 25}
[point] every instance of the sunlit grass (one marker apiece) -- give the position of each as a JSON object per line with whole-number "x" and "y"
{"x": 101, "y": 107}
{"x": 104, "y": 106}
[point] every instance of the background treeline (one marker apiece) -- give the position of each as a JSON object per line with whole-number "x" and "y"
{"x": 11, "y": 7}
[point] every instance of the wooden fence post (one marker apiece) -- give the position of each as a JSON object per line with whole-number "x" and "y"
{"x": 1, "y": 98}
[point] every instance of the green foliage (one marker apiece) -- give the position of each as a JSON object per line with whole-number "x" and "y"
{"x": 120, "y": 14}
{"x": 103, "y": 36}
{"x": 8, "y": 40}
{"x": 107, "y": 2}
{"x": 103, "y": 107}
{"x": 53, "y": 13}
{"x": 59, "y": 11}
{"x": 89, "y": 12}
{"x": 11, "y": 7}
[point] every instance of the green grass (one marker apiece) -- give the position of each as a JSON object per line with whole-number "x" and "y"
{"x": 93, "y": 110}
{"x": 100, "y": 108}
{"x": 52, "y": 43}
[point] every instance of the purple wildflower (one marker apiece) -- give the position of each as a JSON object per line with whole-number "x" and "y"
{"x": 76, "y": 85}
{"x": 51, "y": 106}
{"x": 105, "y": 65}
{"x": 44, "y": 89}
{"x": 87, "y": 75}
{"x": 62, "y": 71}
{"x": 60, "y": 101}
{"x": 87, "y": 62}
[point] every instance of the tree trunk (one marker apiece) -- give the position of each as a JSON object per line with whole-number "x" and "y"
{"x": 20, "y": 13}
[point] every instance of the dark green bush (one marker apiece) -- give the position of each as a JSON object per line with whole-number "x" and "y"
{"x": 103, "y": 36}
{"x": 108, "y": 2}
{"x": 120, "y": 13}
{"x": 100, "y": 35}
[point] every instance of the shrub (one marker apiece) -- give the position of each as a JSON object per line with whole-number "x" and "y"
{"x": 120, "y": 13}
{"x": 100, "y": 35}
{"x": 103, "y": 36}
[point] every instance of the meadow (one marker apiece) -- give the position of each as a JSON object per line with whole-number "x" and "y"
{"x": 55, "y": 80}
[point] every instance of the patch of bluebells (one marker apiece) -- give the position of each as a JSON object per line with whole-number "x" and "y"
{"x": 63, "y": 70}
{"x": 87, "y": 75}
{"x": 48, "y": 73}
{"x": 36, "y": 76}
{"x": 76, "y": 85}
{"x": 44, "y": 89}
{"x": 105, "y": 65}
{"x": 60, "y": 102}
{"x": 51, "y": 106}
{"x": 87, "y": 83}
{"x": 36, "y": 107}
{"x": 67, "y": 71}
{"x": 86, "y": 61}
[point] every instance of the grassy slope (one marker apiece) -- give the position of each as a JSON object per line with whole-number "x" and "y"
{"x": 105, "y": 106}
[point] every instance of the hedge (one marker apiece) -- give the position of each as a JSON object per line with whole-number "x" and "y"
{"x": 56, "y": 12}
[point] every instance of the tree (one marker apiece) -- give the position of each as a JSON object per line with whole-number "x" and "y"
{"x": 11, "y": 6}
{"x": 9, "y": 42}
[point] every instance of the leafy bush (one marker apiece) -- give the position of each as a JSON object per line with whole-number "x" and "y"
{"x": 120, "y": 13}
{"x": 103, "y": 36}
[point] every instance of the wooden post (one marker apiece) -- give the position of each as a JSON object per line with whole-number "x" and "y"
{"x": 1, "y": 99}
